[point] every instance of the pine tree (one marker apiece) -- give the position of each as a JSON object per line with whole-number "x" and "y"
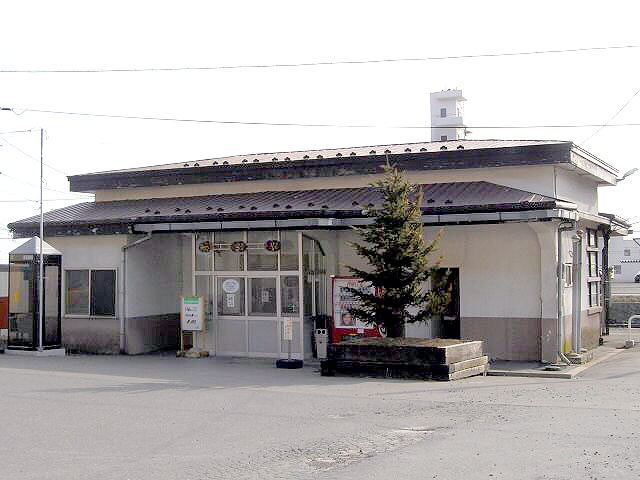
{"x": 397, "y": 253}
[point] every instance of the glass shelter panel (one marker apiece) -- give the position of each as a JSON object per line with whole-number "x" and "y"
{"x": 21, "y": 304}
{"x": 51, "y": 327}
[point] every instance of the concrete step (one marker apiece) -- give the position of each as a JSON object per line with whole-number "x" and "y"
{"x": 580, "y": 358}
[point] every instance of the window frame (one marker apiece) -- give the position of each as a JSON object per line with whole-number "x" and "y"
{"x": 594, "y": 299}
{"x": 66, "y": 314}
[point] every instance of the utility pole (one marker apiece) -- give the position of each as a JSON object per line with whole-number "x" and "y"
{"x": 41, "y": 276}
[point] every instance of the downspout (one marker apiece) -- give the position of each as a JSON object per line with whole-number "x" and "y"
{"x": 576, "y": 325}
{"x": 606, "y": 279}
{"x": 123, "y": 289}
{"x": 562, "y": 227}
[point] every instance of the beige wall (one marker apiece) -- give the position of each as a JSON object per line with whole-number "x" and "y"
{"x": 499, "y": 267}
{"x": 537, "y": 179}
{"x": 154, "y": 276}
{"x": 504, "y": 299}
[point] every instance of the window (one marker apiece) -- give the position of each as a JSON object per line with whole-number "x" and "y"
{"x": 594, "y": 294}
{"x": 229, "y": 251}
{"x": 617, "y": 269}
{"x": 443, "y": 112}
{"x": 263, "y": 297}
{"x": 627, "y": 252}
{"x": 567, "y": 274}
{"x": 90, "y": 292}
{"x": 443, "y": 138}
{"x": 262, "y": 253}
{"x": 289, "y": 250}
{"x": 290, "y": 296}
{"x": 593, "y": 264}
{"x": 230, "y": 295}
{"x": 593, "y": 282}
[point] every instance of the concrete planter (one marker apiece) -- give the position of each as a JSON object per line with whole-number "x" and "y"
{"x": 437, "y": 359}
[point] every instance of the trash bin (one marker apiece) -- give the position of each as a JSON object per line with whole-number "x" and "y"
{"x": 322, "y": 338}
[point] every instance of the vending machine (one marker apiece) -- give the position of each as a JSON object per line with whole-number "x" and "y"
{"x": 343, "y": 324}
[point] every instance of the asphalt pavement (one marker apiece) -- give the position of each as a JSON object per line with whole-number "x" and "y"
{"x": 161, "y": 417}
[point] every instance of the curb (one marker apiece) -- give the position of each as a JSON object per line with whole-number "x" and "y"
{"x": 545, "y": 374}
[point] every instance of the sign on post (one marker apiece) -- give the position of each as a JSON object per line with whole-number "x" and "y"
{"x": 287, "y": 329}
{"x": 192, "y": 313}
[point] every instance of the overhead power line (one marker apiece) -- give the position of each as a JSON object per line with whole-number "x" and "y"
{"x": 320, "y": 125}
{"x": 612, "y": 118}
{"x": 37, "y": 186}
{"x": 319, "y": 64}
{"x": 46, "y": 200}
{"x": 30, "y": 156}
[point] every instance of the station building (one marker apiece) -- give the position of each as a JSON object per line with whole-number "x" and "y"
{"x": 263, "y": 237}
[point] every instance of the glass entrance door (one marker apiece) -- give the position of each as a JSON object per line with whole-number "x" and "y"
{"x": 251, "y": 283}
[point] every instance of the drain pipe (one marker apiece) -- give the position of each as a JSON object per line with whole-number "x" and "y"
{"x": 562, "y": 227}
{"x": 577, "y": 292}
{"x": 123, "y": 289}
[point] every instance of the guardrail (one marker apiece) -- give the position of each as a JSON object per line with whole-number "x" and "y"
{"x": 630, "y": 343}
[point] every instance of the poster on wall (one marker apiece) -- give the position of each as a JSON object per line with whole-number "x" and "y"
{"x": 343, "y": 302}
{"x": 191, "y": 313}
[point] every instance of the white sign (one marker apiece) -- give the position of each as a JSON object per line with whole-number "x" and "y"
{"x": 231, "y": 285}
{"x": 192, "y": 313}
{"x": 287, "y": 329}
{"x": 344, "y": 301}
{"x": 231, "y": 300}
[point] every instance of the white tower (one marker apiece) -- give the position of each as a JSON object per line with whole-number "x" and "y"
{"x": 447, "y": 110}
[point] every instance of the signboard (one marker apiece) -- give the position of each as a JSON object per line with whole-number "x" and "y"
{"x": 231, "y": 285}
{"x": 287, "y": 329}
{"x": 192, "y": 313}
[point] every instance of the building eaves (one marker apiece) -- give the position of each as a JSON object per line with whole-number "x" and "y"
{"x": 438, "y": 198}
{"x": 460, "y": 154}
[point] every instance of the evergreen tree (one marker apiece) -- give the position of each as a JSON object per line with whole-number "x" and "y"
{"x": 397, "y": 253}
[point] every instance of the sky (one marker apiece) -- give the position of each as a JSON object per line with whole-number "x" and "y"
{"x": 573, "y": 88}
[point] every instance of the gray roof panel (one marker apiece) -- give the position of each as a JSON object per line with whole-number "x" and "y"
{"x": 339, "y": 203}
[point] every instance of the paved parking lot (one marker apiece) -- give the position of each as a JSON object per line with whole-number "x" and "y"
{"x": 159, "y": 417}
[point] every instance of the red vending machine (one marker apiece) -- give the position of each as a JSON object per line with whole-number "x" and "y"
{"x": 343, "y": 324}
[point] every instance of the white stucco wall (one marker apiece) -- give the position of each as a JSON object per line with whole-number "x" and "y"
{"x": 499, "y": 267}
{"x": 154, "y": 275}
{"x": 577, "y": 189}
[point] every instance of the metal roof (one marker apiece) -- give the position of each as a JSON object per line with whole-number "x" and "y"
{"x": 32, "y": 247}
{"x": 361, "y": 151}
{"x": 456, "y": 197}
